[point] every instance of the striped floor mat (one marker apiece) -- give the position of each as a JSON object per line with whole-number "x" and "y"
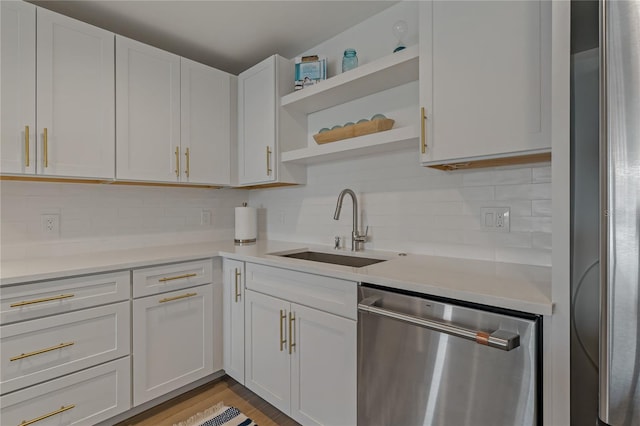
{"x": 218, "y": 415}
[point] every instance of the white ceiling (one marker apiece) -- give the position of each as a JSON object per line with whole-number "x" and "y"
{"x": 228, "y": 35}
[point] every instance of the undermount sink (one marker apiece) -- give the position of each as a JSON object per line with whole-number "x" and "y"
{"x": 336, "y": 259}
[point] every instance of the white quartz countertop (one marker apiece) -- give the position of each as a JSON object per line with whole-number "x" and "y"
{"x": 512, "y": 286}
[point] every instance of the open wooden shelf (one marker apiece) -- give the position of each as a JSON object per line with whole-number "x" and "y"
{"x": 382, "y": 74}
{"x": 390, "y": 140}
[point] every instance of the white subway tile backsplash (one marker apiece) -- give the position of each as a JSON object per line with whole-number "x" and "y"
{"x": 414, "y": 209}
{"x": 542, "y": 240}
{"x": 538, "y": 191}
{"x": 541, "y": 174}
{"x": 541, "y": 207}
{"x": 531, "y": 224}
{"x": 92, "y": 217}
{"x": 409, "y": 208}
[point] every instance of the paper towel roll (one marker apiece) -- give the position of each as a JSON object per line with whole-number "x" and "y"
{"x": 246, "y": 225}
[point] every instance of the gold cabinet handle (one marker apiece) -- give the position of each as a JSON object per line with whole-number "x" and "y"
{"x": 26, "y": 146}
{"x": 186, "y": 154}
{"x": 283, "y": 339}
{"x": 423, "y": 130}
{"x": 41, "y": 351}
{"x": 46, "y": 416}
{"x": 238, "y": 293}
{"x": 183, "y": 296}
{"x": 292, "y": 331}
{"x": 177, "y": 277}
{"x": 269, "y": 161}
{"x": 177, "y": 161}
{"x": 45, "y": 299}
{"x": 45, "y": 147}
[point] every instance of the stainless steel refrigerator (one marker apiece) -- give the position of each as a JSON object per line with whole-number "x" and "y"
{"x": 619, "y": 372}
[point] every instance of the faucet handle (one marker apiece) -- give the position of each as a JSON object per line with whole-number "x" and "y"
{"x": 337, "y": 243}
{"x": 362, "y": 237}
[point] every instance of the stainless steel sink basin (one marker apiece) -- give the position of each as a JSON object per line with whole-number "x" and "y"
{"x": 336, "y": 259}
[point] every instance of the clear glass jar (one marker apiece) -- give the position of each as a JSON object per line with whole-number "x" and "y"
{"x": 349, "y": 60}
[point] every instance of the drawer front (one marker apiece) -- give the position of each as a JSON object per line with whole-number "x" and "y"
{"x": 42, "y": 349}
{"x": 27, "y": 301}
{"x": 83, "y": 398}
{"x": 159, "y": 279}
{"x": 327, "y": 294}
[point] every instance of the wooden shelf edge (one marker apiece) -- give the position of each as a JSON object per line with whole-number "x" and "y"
{"x": 267, "y": 185}
{"x": 493, "y": 162}
{"x": 101, "y": 181}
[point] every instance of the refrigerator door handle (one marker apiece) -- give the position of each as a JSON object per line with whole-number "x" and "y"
{"x": 499, "y": 339}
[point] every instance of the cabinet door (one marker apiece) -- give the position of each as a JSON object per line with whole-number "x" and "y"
{"x": 172, "y": 341}
{"x": 148, "y": 112}
{"x": 323, "y": 368}
{"x": 485, "y": 69}
{"x": 75, "y": 98}
{"x": 233, "y": 307}
{"x": 267, "y": 362}
{"x": 18, "y": 74}
{"x": 206, "y": 123}
{"x": 257, "y": 123}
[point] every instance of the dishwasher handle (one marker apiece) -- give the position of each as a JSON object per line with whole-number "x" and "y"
{"x": 499, "y": 339}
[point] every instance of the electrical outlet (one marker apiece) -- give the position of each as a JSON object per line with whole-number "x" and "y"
{"x": 51, "y": 225}
{"x": 205, "y": 217}
{"x": 495, "y": 219}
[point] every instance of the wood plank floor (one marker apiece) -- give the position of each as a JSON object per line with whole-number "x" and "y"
{"x": 224, "y": 389}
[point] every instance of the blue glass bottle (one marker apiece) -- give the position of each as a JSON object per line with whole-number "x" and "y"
{"x": 349, "y": 60}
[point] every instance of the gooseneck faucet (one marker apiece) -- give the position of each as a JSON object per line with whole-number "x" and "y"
{"x": 357, "y": 239}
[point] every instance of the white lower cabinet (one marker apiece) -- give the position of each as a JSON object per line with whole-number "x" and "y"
{"x": 233, "y": 307}
{"x": 83, "y": 398}
{"x": 42, "y": 349}
{"x": 172, "y": 341}
{"x": 301, "y": 360}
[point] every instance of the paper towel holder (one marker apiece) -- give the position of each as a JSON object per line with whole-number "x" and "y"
{"x": 240, "y": 242}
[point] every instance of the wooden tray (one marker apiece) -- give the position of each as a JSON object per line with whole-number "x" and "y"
{"x": 360, "y": 129}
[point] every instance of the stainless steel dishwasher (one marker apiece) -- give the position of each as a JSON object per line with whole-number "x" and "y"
{"x": 425, "y": 361}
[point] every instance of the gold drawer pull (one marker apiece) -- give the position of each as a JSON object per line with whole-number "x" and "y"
{"x": 292, "y": 331}
{"x": 186, "y": 154}
{"x": 46, "y": 416}
{"x": 423, "y": 130}
{"x": 41, "y": 351}
{"x": 46, "y": 299}
{"x": 45, "y": 147}
{"x": 178, "y": 277}
{"x": 283, "y": 338}
{"x": 177, "y": 161}
{"x": 26, "y": 146}
{"x": 238, "y": 293}
{"x": 170, "y": 299}
{"x": 269, "y": 161}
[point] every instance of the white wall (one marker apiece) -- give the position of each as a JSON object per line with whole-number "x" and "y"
{"x": 96, "y": 217}
{"x": 415, "y": 209}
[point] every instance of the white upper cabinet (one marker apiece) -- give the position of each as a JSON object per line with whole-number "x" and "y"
{"x": 485, "y": 81}
{"x": 75, "y": 89}
{"x": 174, "y": 117}
{"x": 18, "y": 119}
{"x": 148, "y": 113}
{"x": 75, "y": 132}
{"x": 207, "y": 122}
{"x": 263, "y": 127}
